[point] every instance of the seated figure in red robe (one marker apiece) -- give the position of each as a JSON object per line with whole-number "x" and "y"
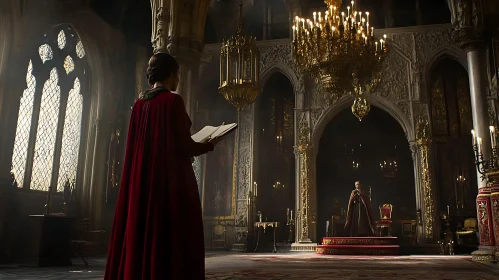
{"x": 158, "y": 227}
{"x": 359, "y": 220}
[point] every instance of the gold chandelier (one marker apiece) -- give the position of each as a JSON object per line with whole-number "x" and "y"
{"x": 340, "y": 51}
{"x": 239, "y": 68}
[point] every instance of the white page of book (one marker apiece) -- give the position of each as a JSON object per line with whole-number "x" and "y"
{"x": 223, "y": 129}
{"x": 204, "y": 134}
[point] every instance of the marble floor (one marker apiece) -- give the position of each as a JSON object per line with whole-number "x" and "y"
{"x": 301, "y": 266}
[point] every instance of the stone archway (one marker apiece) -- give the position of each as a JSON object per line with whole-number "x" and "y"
{"x": 318, "y": 130}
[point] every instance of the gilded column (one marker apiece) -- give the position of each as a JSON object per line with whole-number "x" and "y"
{"x": 304, "y": 150}
{"x": 425, "y": 175}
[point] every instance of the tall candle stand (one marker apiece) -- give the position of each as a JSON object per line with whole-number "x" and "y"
{"x": 290, "y": 222}
{"x": 251, "y": 201}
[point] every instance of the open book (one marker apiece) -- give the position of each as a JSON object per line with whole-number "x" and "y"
{"x": 209, "y": 132}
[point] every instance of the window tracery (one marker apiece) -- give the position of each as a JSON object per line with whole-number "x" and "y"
{"x": 49, "y": 124}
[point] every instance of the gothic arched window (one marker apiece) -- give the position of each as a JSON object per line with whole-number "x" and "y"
{"x": 49, "y": 124}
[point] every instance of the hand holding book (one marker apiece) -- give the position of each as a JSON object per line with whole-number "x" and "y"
{"x": 213, "y": 134}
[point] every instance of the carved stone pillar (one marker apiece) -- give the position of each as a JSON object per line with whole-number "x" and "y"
{"x": 428, "y": 214}
{"x": 304, "y": 216}
{"x": 161, "y": 15}
{"x": 178, "y": 28}
{"x": 244, "y": 175}
{"x": 477, "y": 72}
{"x": 467, "y": 19}
{"x": 420, "y": 237}
{"x": 486, "y": 250}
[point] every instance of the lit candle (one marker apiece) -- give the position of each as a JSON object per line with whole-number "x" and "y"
{"x": 294, "y": 32}
{"x": 315, "y": 17}
{"x": 492, "y": 136}
{"x": 367, "y": 14}
{"x": 291, "y": 214}
{"x": 473, "y": 137}
{"x": 448, "y": 211}
{"x": 342, "y": 16}
{"x": 348, "y": 11}
{"x": 376, "y": 43}
{"x": 287, "y": 215}
{"x": 479, "y": 141}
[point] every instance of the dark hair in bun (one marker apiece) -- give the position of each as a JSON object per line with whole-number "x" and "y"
{"x": 161, "y": 66}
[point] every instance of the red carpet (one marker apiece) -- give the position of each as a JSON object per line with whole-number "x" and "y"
{"x": 304, "y": 266}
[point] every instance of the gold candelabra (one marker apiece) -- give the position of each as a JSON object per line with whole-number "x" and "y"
{"x": 239, "y": 68}
{"x": 340, "y": 51}
{"x": 491, "y": 164}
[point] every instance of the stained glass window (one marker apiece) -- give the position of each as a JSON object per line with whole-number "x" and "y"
{"x": 71, "y": 137}
{"x": 23, "y": 127}
{"x": 51, "y": 113}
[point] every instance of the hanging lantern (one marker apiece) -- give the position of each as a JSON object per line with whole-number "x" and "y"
{"x": 239, "y": 68}
{"x": 360, "y": 107}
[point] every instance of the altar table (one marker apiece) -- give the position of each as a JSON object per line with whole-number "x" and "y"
{"x": 265, "y": 225}
{"x": 52, "y": 238}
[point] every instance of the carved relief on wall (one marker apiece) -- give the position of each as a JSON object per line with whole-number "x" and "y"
{"x": 243, "y": 164}
{"x": 273, "y": 54}
{"x": 427, "y": 42}
{"x": 394, "y": 84}
{"x": 483, "y": 209}
{"x": 438, "y": 107}
{"x": 280, "y": 54}
{"x": 494, "y": 201}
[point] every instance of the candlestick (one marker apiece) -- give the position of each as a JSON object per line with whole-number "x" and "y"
{"x": 473, "y": 137}
{"x": 292, "y": 215}
{"x": 492, "y": 136}
{"x": 448, "y": 211}
{"x": 479, "y": 142}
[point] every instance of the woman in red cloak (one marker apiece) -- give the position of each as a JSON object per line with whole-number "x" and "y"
{"x": 158, "y": 227}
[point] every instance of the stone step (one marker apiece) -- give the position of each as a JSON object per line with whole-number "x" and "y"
{"x": 379, "y": 250}
{"x": 365, "y": 241}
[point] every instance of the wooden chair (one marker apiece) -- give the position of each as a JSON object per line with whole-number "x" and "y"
{"x": 83, "y": 231}
{"x": 385, "y": 221}
{"x": 468, "y": 232}
{"x": 219, "y": 237}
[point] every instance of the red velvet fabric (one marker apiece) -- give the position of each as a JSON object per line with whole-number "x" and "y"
{"x": 364, "y": 198}
{"x": 158, "y": 228}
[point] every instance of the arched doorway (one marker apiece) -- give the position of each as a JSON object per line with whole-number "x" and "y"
{"x": 350, "y": 150}
{"x": 274, "y": 141}
{"x": 451, "y": 120}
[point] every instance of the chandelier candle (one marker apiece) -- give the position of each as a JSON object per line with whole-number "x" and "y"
{"x": 339, "y": 50}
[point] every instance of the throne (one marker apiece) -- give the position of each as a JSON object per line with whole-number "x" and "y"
{"x": 385, "y": 220}
{"x": 468, "y": 233}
